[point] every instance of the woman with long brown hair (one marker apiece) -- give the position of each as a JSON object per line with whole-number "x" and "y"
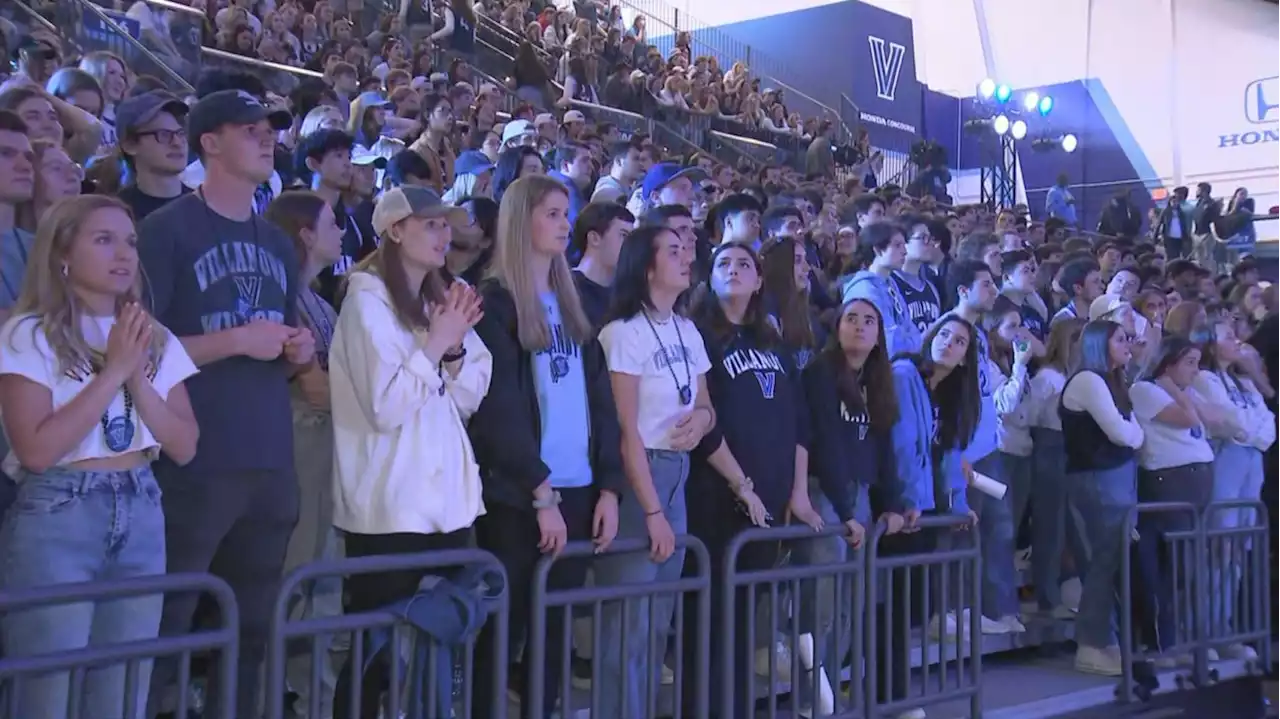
{"x": 785, "y": 278}
{"x": 309, "y": 221}
{"x": 1242, "y": 428}
{"x": 849, "y": 388}
{"x": 405, "y": 372}
{"x": 546, "y": 435}
{"x": 90, "y": 391}
{"x": 1053, "y": 516}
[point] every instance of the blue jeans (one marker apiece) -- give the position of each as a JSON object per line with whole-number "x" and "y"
{"x": 819, "y": 602}
{"x": 626, "y": 625}
{"x": 1105, "y": 498}
{"x": 995, "y": 522}
{"x": 1237, "y": 475}
{"x": 68, "y": 526}
{"x": 1053, "y": 519}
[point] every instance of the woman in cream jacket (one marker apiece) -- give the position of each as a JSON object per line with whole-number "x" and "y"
{"x": 405, "y": 372}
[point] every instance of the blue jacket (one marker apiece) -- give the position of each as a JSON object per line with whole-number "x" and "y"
{"x": 912, "y": 445}
{"x": 447, "y": 612}
{"x": 1057, "y": 204}
{"x": 901, "y": 334}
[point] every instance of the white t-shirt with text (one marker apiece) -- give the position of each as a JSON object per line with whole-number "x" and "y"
{"x": 655, "y": 351}
{"x": 25, "y": 351}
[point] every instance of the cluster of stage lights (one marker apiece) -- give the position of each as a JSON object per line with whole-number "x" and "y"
{"x": 1031, "y": 101}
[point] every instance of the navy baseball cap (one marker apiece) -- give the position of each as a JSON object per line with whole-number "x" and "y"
{"x": 230, "y": 107}
{"x": 664, "y": 173}
{"x": 136, "y": 111}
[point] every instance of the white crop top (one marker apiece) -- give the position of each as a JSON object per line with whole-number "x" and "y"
{"x": 25, "y": 351}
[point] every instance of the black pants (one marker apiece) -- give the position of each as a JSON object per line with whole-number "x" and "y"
{"x": 716, "y": 523}
{"x": 236, "y": 526}
{"x": 370, "y": 592}
{"x": 511, "y": 534}
{"x": 1152, "y": 557}
{"x": 902, "y": 604}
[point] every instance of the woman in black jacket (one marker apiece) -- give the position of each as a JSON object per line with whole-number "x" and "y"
{"x": 546, "y": 435}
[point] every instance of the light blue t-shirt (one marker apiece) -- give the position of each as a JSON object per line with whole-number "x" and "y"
{"x": 561, "y": 384}
{"x": 15, "y": 247}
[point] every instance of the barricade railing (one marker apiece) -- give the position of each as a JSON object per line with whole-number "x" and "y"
{"x": 693, "y": 587}
{"x": 826, "y": 594}
{"x": 629, "y": 123}
{"x": 1212, "y": 568}
{"x": 912, "y": 586}
{"x": 285, "y": 630}
{"x": 1238, "y": 559}
{"x": 1168, "y": 539}
{"x": 135, "y": 655}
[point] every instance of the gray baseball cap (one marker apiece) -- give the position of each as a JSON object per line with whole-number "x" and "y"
{"x": 136, "y": 111}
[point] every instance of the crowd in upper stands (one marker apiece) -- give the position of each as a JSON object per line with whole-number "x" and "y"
{"x": 375, "y": 317}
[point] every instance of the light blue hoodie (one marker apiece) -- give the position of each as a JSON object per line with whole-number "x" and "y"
{"x": 912, "y": 444}
{"x": 901, "y": 334}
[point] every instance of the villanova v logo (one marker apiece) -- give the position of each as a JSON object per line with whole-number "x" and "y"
{"x": 886, "y": 64}
{"x": 766, "y": 380}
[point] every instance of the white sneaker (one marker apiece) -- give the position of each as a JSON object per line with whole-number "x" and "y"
{"x": 1173, "y": 662}
{"x": 1070, "y": 594}
{"x": 912, "y": 714}
{"x": 1101, "y": 661}
{"x": 668, "y": 676}
{"x": 1000, "y": 626}
{"x": 1237, "y": 651}
{"x": 1014, "y": 624}
{"x": 1062, "y": 611}
{"x": 1022, "y": 560}
{"x": 949, "y": 625}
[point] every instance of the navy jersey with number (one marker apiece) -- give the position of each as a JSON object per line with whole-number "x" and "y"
{"x": 1033, "y": 321}
{"x": 923, "y": 304}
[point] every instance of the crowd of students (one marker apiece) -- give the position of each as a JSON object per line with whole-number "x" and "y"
{"x": 254, "y": 339}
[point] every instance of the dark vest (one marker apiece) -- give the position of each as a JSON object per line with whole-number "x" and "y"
{"x": 1086, "y": 446}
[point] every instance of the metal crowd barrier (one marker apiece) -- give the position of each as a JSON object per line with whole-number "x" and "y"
{"x": 694, "y": 584}
{"x": 285, "y": 630}
{"x": 890, "y": 575}
{"x": 826, "y": 621}
{"x": 1216, "y": 565}
{"x": 77, "y": 663}
{"x": 1218, "y": 583}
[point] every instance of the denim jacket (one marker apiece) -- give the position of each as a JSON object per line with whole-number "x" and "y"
{"x": 912, "y": 439}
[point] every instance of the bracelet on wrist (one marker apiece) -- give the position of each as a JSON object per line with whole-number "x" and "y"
{"x": 654, "y": 513}
{"x": 453, "y": 356}
{"x": 552, "y": 500}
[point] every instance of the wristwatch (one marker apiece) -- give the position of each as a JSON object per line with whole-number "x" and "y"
{"x": 548, "y": 503}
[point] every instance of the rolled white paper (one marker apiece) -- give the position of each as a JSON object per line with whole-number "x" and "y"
{"x": 989, "y": 486}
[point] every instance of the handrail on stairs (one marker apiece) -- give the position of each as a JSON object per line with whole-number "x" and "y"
{"x": 138, "y": 45}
